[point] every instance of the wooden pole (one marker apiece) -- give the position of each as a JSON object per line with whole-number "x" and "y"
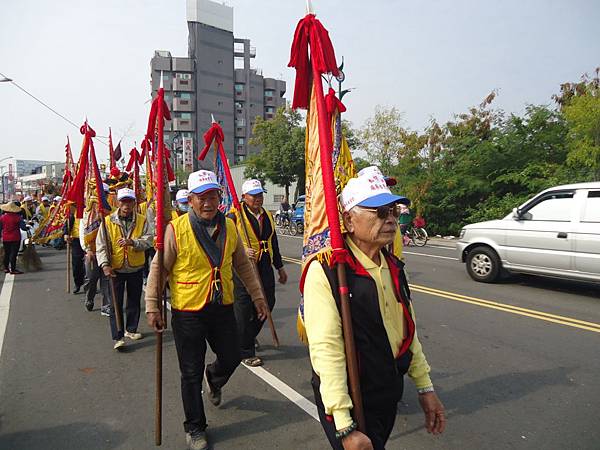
{"x": 160, "y": 228}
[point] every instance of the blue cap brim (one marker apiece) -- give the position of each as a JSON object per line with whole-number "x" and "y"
{"x": 380, "y": 200}
{"x": 206, "y": 187}
{"x": 256, "y": 191}
{"x": 183, "y": 200}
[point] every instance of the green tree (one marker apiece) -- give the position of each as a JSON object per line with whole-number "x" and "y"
{"x": 281, "y": 159}
{"x": 381, "y": 138}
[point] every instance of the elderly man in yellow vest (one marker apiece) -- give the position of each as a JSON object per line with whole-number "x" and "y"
{"x": 257, "y": 229}
{"x": 121, "y": 255}
{"x": 201, "y": 250}
{"x": 42, "y": 210}
{"x": 383, "y": 322}
{"x": 71, "y": 234}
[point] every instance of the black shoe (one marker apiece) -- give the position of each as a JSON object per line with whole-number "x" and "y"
{"x": 86, "y": 286}
{"x": 214, "y": 394}
{"x": 89, "y": 305}
{"x": 77, "y": 290}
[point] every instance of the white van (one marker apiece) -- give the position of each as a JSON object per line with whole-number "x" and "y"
{"x": 556, "y": 233}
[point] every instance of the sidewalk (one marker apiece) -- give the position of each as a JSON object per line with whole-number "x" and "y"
{"x": 450, "y": 243}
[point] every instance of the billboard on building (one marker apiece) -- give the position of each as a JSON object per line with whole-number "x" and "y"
{"x": 188, "y": 154}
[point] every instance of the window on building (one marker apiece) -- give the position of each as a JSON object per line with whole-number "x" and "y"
{"x": 185, "y": 115}
{"x": 240, "y": 142}
{"x": 269, "y": 93}
{"x": 239, "y": 105}
{"x": 219, "y": 84}
{"x": 185, "y": 95}
{"x": 239, "y": 88}
{"x": 220, "y": 61}
{"x": 219, "y": 103}
{"x": 183, "y": 76}
{"x": 278, "y": 198}
{"x": 220, "y": 122}
{"x": 269, "y": 109}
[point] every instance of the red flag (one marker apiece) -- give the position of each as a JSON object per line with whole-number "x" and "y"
{"x": 76, "y": 193}
{"x": 111, "y": 155}
{"x": 117, "y": 155}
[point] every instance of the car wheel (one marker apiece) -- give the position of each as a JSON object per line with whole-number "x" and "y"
{"x": 483, "y": 264}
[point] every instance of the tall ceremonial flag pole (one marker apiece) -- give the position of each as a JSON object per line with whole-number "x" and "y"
{"x": 87, "y": 171}
{"x": 309, "y": 91}
{"x": 156, "y": 123}
{"x": 214, "y": 136}
{"x": 66, "y": 181}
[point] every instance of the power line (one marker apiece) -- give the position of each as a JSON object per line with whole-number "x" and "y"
{"x": 46, "y": 105}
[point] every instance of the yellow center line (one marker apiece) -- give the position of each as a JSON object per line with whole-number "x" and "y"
{"x": 540, "y": 315}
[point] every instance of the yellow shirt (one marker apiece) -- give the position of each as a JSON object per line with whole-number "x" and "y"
{"x": 326, "y": 343}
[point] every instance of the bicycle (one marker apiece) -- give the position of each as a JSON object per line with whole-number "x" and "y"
{"x": 415, "y": 233}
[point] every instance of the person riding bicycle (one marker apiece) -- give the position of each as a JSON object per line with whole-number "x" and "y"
{"x": 405, "y": 218}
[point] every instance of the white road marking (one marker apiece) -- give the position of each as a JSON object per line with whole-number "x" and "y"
{"x": 430, "y": 256}
{"x": 5, "y": 295}
{"x": 301, "y": 402}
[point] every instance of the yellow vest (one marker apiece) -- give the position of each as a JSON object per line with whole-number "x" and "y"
{"x": 43, "y": 210}
{"x": 397, "y": 245}
{"x": 192, "y": 279}
{"x": 28, "y": 213}
{"x": 134, "y": 258}
{"x": 259, "y": 246}
{"x": 75, "y": 229}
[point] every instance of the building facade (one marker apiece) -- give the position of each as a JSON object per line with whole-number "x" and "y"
{"x": 215, "y": 80}
{"x": 13, "y": 170}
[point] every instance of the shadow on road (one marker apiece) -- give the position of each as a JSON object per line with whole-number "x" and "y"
{"x": 488, "y": 392}
{"x": 78, "y": 435}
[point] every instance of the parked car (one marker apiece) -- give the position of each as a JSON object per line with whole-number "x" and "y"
{"x": 556, "y": 233}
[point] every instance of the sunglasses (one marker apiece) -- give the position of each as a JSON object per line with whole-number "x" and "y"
{"x": 384, "y": 211}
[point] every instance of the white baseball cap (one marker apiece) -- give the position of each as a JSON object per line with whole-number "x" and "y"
{"x": 125, "y": 193}
{"x": 45, "y": 199}
{"x": 105, "y": 187}
{"x": 368, "y": 190}
{"x": 58, "y": 198}
{"x": 390, "y": 181}
{"x": 252, "y": 187}
{"x": 28, "y": 198}
{"x": 182, "y": 196}
{"x": 202, "y": 181}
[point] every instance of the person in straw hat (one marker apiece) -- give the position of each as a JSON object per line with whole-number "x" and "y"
{"x": 11, "y": 224}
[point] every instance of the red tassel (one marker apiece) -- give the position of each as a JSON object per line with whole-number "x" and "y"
{"x": 333, "y": 104}
{"x": 321, "y": 52}
{"x": 214, "y": 132}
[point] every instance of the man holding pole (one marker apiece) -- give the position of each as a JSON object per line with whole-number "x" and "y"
{"x": 120, "y": 251}
{"x": 257, "y": 229}
{"x": 201, "y": 250}
{"x": 383, "y": 324}
{"x": 71, "y": 235}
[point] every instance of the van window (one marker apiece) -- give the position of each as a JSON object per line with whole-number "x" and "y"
{"x": 554, "y": 207}
{"x": 591, "y": 212}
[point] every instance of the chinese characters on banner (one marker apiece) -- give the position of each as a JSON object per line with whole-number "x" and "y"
{"x": 188, "y": 154}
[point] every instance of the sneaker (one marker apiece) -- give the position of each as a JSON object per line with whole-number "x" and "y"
{"x": 214, "y": 394}
{"x": 196, "y": 440}
{"x": 133, "y": 336}
{"x": 254, "y": 361}
{"x": 119, "y": 344}
{"x": 15, "y": 272}
{"x": 89, "y": 305}
{"x": 104, "y": 311}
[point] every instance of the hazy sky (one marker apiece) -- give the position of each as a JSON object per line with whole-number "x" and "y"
{"x": 428, "y": 58}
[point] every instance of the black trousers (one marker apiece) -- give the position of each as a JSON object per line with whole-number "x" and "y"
{"x": 77, "y": 262}
{"x": 11, "y": 250}
{"x": 95, "y": 274}
{"x": 248, "y": 323}
{"x": 379, "y": 421}
{"x": 132, "y": 282}
{"x": 191, "y": 330}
